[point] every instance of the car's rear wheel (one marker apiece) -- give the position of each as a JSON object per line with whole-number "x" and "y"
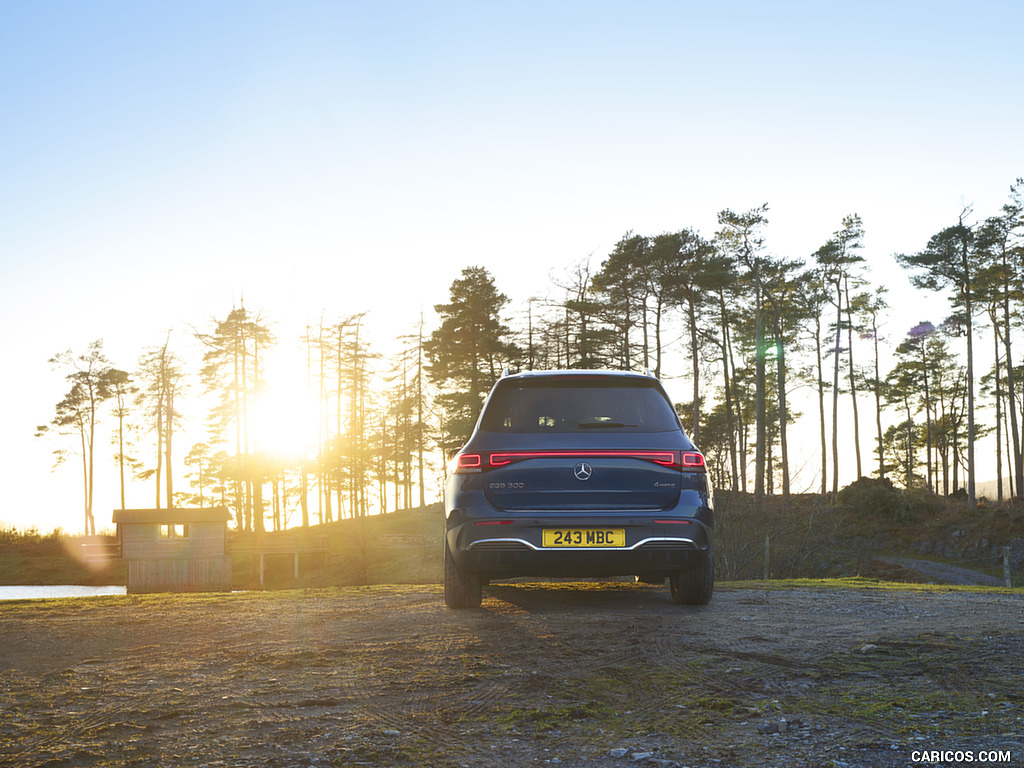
{"x": 462, "y": 589}
{"x": 694, "y": 586}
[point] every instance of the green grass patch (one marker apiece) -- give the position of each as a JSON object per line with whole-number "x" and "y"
{"x": 929, "y": 685}
{"x": 863, "y": 583}
{"x": 549, "y": 718}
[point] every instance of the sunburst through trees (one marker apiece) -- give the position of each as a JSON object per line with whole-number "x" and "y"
{"x": 743, "y": 328}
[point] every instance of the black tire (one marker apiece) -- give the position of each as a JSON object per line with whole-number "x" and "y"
{"x": 462, "y": 589}
{"x": 694, "y": 586}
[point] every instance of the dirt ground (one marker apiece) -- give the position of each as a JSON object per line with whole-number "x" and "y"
{"x": 571, "y": 674}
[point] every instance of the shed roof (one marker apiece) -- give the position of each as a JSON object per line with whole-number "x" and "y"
{"x": 176, "y": 515}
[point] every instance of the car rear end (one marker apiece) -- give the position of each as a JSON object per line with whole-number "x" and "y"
{"x": 578, "y": 474}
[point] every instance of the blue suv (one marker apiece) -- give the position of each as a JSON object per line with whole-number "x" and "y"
{"x": 578, "y": 473}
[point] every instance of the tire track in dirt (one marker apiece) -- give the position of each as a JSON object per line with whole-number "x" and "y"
{"x": 416, "y": 685}
{"x": 537, "y": 616}
{"x": 747, "y": 654}
{"x": 81, "y": 732}
{"x": 462, "y": 675}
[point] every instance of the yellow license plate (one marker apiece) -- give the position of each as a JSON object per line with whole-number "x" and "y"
{"x": 584, "y": 537}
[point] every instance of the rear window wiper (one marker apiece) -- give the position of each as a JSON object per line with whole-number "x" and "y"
{"x": 601, "y": 424}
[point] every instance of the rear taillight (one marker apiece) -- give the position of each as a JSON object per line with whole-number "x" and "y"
{"x": 466, "y": 463}
{"x": 692, "y": 460}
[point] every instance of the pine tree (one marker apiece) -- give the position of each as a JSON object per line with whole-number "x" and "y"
{"x": 951, "y": 260}
{"x": 694, "y": 271}
{"x": 740, "y": 237}
{"x": 121, "y": 388}
{"x": 161, "y": 375}
{"x": 468, "y": 351}
{"x": 837, "y": 259}
{"x": 78, "y": 412}
{"x": 233, "y": 366}
{"x": 622, "y": 287}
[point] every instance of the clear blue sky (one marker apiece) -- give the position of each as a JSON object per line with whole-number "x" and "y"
{"x": 160, "y": 160}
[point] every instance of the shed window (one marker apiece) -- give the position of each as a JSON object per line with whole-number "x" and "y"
{"x": 173, "y": 531}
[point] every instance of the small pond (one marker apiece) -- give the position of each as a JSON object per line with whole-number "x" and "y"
{"x": 64, "y": 590}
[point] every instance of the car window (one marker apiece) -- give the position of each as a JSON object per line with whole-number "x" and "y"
{"x": 578, "y": 405}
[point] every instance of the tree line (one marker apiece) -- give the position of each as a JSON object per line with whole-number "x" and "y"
{"x": 750, "y": 328}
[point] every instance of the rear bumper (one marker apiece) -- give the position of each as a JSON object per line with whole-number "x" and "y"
{"x": 505, "y": 546}
{"x": 503, "y": 543}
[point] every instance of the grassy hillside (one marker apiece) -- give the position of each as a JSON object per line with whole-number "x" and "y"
{"x": 810, "y": 536}
{"x": 29, "y": 557}
{"x": 401, "y": 547}
{"x": 814, "y": 536}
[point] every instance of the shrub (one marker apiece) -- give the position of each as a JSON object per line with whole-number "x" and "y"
{"x": 875, "y": 496}
{"x": 922, "y": 503}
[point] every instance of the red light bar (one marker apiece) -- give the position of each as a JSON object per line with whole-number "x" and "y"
{"x": 664, "y": 458}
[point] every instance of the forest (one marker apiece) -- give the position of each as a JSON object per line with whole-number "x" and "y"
{"x": 751, "y": 329}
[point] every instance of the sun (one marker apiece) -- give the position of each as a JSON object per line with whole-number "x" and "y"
{"x": 285, "y": 423}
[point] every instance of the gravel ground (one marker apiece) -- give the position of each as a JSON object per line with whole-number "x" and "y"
{"x": 572, "y": 674}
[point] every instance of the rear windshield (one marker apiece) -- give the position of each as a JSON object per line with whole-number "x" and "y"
{"x": 579, "y": 405}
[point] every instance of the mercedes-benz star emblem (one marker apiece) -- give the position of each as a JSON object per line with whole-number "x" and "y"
{"x": 583, "y": 471}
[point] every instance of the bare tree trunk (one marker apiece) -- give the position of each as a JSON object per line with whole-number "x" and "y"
{"x": 419, "y": 415}
{"x": 878, "y": 404}
{"x": 781, "y": 374}
{"x": 120, "y": 445}
{"x": 91, "y": 521}
{"x": 246, "y": 454}
{"x": 821, "y": 405}
{"x": 259, "y": 525}
{"x": 945, "y": 452}
{"x": 657, "y": 339}
{"x": 853, "y": 377}
{"x": 972, "y": 498}
{"x": 159, "y": 450}
{"x": 236, "y": 389}
{"x": 928, "y": 429}
{"x": 304, "y": 497}
{"x": 727, "y": 382}
{"x": 759, "y": 394}
{"x": 647, "y": 344}
{"x": 696, "y": 373}
{"x": 999, "y": 417}
{"x": 835, "y": 390}
{"x": 741, "y": 426}
{"x": 169, "y": 428}
{"x": 1011, "y": 397}
{"x": 87, "y": 518}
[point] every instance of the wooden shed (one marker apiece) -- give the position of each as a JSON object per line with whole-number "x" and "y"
{"x": 175, "y": 550}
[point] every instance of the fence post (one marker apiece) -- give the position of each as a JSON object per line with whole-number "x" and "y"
{"x": 1007, "y": 580}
